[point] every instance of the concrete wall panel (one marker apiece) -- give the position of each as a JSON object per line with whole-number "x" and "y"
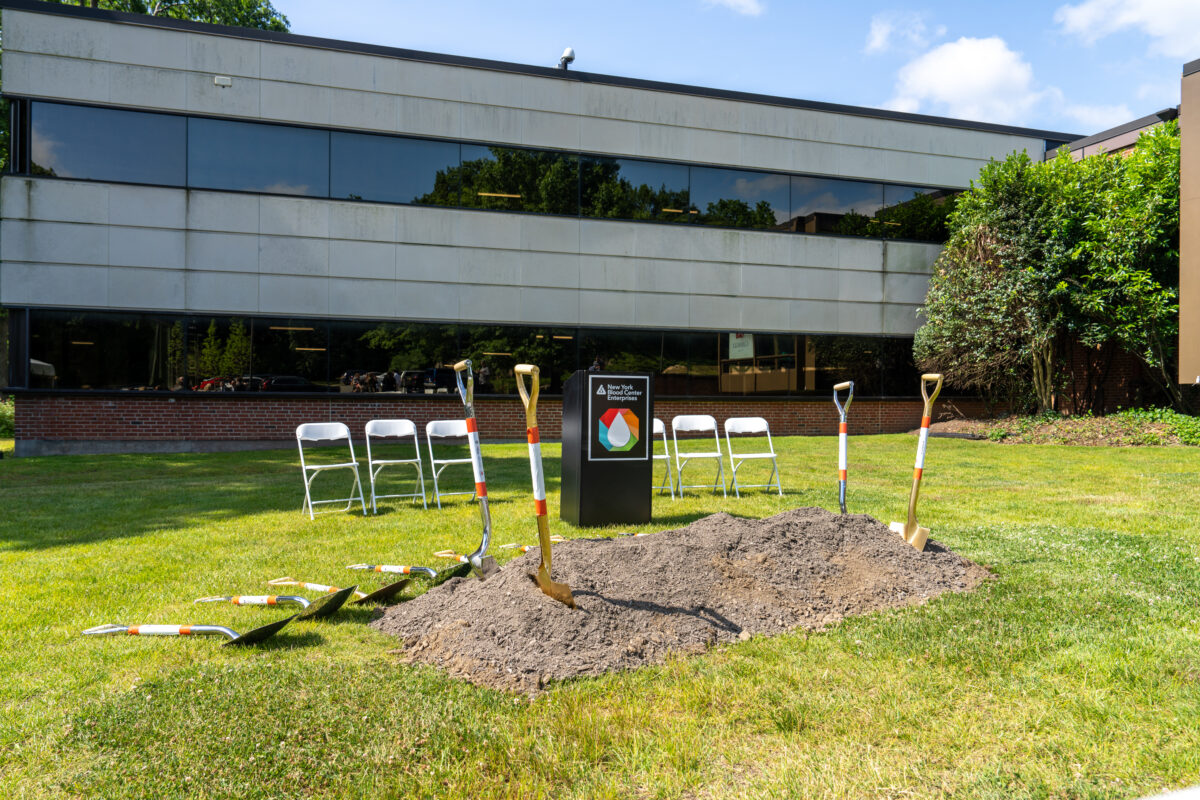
{"x": 145, "y": 207}
{"x": 224, "y": 252}
{"x": 68, "y": 285}
{"x": 222, "y": 292}
{"x": 293, "y": 295}
{"x": 146, "y": 288}
{"x": 148, "y": 87}
{"x": 155, "y": 248}
{"x": 355, "y": 259}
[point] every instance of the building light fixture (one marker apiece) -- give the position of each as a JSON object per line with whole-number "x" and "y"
{"x": 83, "y": 343}
{"x": 311, "y": 349}
{"x": 499, "y": 194}
{"x": 498, "y": 354}
{"x": 565, "y": 338}
{"x": 289, "y": 328}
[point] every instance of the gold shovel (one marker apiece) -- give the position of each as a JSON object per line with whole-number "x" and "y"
{"x": 913, "y": 533}
{"x": 558, "y": 591}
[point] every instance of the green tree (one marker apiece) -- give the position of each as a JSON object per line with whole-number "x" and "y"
{"x": 1046, "y": 254}
{"x": 235, "y": 355}
{"x": 211, "y": 352}
{"x": 990, "y": 324}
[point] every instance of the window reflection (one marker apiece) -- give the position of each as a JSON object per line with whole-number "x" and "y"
{"x": 140, "y": 147}
{"x": 107, "y": 145}
{"x": 292, "y": 355}
{"x": 69, "y": 350}
{"x": 133, "y": 352}
{"x": 392, "y": 169}
{"x": 740, "y": 199}
{"x": 825, "y": 205}
{"x": 626, "y": 188}
{"x": 764, "y": 364}
{"x": 510, "y": 179}
{"x": 219, "y": 355}
{"x": 252, "y": 157}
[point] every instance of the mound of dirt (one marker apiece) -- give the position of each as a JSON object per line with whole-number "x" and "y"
{"x": 719, "y": 579}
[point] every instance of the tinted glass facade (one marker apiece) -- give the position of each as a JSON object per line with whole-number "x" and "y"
{"x": 101, "y": 144}
{"x": 81, "y": 142}
{"x": 141, "y": 352}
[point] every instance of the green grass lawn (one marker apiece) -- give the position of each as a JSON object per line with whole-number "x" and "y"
{"x": 1076, "y": 673}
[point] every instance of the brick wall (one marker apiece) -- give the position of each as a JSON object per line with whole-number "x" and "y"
{"x": 49, "y": 423}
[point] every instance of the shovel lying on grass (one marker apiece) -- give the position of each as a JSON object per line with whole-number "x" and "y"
{"x": 312, "y": 609}
{"x": 376, "y": 597}
{"x": 913, "y": 533}
{"x": 235, "y": 639}
{"x": 557, "y": 591}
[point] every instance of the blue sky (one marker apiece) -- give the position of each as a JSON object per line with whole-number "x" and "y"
{"x": 1077, "y": 67}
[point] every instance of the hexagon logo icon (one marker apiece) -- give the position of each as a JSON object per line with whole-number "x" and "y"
{"x": 618, "y": 430}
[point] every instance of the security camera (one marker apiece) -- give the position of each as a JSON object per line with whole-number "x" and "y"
{"x": 567, "y": 57}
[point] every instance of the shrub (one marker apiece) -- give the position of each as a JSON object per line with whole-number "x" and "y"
{"x": 6, "y": 417}
{"x": 1186, "y": 427}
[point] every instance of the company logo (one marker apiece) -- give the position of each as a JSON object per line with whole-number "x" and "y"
{"x": 618, "y": 430}
{"x": 601, "y": 390}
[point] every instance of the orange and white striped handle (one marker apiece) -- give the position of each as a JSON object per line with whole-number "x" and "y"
{"x": 842, "y": 432}
{"x": 841, "y": 451}
{"x": 536, "y": 471}
{"x": 476, "y": 457}
{"x": 312, "y": 587}
{"x": 919, "y": 467}
{"x": 160, "y": 630}
{"x": 396, "y": 569}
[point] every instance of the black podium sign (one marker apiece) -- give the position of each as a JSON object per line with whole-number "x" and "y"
{"x": 619, "y": 425}
{"x": 608, "y": 426}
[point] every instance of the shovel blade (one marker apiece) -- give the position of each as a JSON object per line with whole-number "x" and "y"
{"x": 487, "y": 568}
{"x": 556, "y": 591}
{"x": 259, "y": 634}
{"x": 914, "y": 535}
{"x": 386, "y": 593}
{"x": 327, "y": 604}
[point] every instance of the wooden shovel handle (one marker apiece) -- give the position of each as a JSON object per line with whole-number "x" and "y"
{"x": 928, "y": 398}
{"x": 528, "y": 396}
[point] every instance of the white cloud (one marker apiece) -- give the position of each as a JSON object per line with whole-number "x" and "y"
{"x": 979, "y": 79}
{"x": 1172, "y": 25}
{"x": 1094, "y": 119}
{"x": 751, "y": 8}
{"x": 899, "y": 30}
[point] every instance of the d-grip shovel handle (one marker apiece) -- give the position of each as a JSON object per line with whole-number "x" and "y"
{"x": 528, "y": 398}
{"x": 467, "y": 394}
{"x": 842, "y": 409}
{"x": 930, "y": 376}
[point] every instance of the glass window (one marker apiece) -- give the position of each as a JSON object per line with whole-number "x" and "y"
{"x": 758, "y": 363}
{"x": 915, "y": 212}
{"x": 832, "y": 205}
{"x": 370, "y": 357}
{"x": 219, "y": 355}
{"x": 104, "y": 351}
{"x": 104, "y": 144}
{"x": 253, "y": 157}
{"x": 624, "y": 188}
{"x": 509, "y": 179}
{"x": 665, "y": 355}
{"x": 738, "y": 199}
{"x": 292, "y": 355}
{"x": 394, "y": 169}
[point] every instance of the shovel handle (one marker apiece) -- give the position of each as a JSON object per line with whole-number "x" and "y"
{"x": 844, "y": 385}
{"x": 528, "y": 396}
{"x": 928, "y": 398}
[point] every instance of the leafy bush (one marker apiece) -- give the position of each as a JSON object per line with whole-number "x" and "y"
{"x": 6, "y": 417}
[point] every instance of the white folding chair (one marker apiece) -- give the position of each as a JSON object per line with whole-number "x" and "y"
{"x": 660, "y": 429}
{"x": 697, "y": 423}
{"x": 326, "y": 432}
{"x": 394, "y": 429}
{"x": 751, "y": 425}
{"x": 445, "y": 429}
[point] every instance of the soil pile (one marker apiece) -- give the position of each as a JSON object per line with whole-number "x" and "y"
{"x": 719, "y": 579}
